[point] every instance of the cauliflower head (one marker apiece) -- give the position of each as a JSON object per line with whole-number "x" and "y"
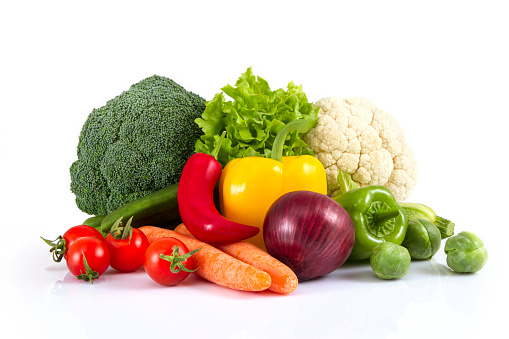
{"x": 354, "y": 136}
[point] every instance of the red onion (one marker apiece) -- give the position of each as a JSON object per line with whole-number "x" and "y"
{"x": 309, "y": 232}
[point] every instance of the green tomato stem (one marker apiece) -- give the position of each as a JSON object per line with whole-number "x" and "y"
{"x": 176, "y": 260}
{"x": 120, "y": 232}
{"x": 57, "y": 247}
{"x": 89, "y": 274}
{"x": 299, "y": 125}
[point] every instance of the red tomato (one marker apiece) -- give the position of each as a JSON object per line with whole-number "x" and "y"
{"x": 159, "y": 269}
{"x": 60, "y": 245}
{"x": 96, "y": 254}
{"x": 127, "y": 255}
{"x": 76, "y": 232}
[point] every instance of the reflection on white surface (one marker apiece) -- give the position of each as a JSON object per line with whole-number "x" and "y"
{"x": 350, "y": 302}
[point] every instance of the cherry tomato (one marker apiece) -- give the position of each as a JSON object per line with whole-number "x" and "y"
{"x": 76, "y": 232}
{"x": 177, "y": 258}
{"x": 127, "y": 255}
{"x": 88, "y": 258}
{"x": 61, "y": 245}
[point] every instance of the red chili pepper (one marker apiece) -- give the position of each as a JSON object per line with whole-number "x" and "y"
{"x": 196, "y": 204}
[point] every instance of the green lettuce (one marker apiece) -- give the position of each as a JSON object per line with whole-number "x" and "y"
{"x": 253, "y": 119}
{"x": 345, "y": 182}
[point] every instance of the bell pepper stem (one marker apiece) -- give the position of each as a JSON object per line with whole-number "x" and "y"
{"x": 216, "y": 149}
{"x": 384, "y": 216}
{"x": 299, "y": 125}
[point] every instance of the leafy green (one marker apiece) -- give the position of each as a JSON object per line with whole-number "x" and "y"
{"x": 345, "y": 182}
{"x": 253, "y": 118}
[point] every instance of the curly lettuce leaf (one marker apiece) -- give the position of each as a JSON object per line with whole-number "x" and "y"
{"x": 253, "y": 118}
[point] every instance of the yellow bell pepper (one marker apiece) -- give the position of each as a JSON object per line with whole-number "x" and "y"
{"x": 249, "y": 186}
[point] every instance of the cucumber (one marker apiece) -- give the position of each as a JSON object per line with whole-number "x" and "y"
{"x": 159, "y": 208}
{"x": 95, "y": 222}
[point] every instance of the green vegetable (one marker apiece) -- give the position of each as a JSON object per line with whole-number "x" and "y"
{"x": 420, "y": 211}
{"x": 346, "y": 183}
{"x": 422, "y": 239}
{"x": 159, "y": 208}
{"x": 376, "y": 216}
{"x": 390, "y": 261}
{"x": 465, "y": 253}
{"x": 253, "y": 119}
{"x": 134, "y": 145}
{"x": 94, "y": 222}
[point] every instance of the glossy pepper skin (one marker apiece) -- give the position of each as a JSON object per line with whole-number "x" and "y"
{"x": 249, "y": 186}
{"x": 196, "y": 204}
{"x": 376, "y": 216}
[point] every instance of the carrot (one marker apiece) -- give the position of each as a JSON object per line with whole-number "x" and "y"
{"x": 283, "y": 278}
{"x": 215, "y": 265}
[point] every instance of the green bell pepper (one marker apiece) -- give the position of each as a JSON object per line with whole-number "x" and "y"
{"x": 376, "y": 216}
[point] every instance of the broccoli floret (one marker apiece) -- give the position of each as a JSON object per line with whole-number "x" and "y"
{"x": 135, "y": 144}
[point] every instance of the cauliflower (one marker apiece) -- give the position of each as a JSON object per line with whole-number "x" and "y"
{"x": 354, "y": 136}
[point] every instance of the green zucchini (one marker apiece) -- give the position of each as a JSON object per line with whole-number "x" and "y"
{"x": 159, "y": 208}
{"x": 95, "y": 222}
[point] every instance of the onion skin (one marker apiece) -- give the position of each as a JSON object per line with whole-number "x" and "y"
{"x": 309, "y": 232}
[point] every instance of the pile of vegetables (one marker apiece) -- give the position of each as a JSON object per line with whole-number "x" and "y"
{"x": 257, "y": 193}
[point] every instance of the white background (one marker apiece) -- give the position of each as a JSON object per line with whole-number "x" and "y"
{"x": 440, "y": 67}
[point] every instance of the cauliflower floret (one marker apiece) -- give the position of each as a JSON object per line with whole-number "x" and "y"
{"x": 366, "y": 142}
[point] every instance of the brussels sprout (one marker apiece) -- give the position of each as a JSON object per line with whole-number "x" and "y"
{"x": 422, "y": 239}
{"x": 390, "y": 261}
{"x": 465, "y": 252}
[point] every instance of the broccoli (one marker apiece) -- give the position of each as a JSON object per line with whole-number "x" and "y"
{"x": 137, "y": 143}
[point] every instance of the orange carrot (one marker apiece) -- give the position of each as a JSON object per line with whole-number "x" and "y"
{"x": 283, "y": 278}
{"x": 215, "y": 265}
